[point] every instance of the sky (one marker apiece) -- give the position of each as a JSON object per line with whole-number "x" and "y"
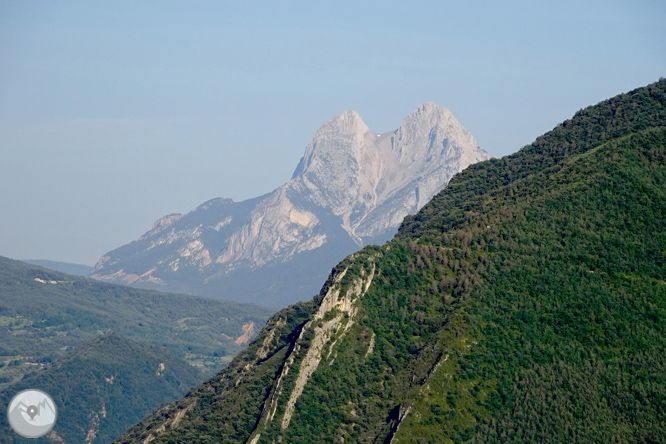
{"x": 114, "y": 114}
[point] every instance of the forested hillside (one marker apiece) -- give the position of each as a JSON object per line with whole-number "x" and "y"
{"x": 101, "y": 387}
{"x": 525, "y": 303}
{"x": 44, "y": 313}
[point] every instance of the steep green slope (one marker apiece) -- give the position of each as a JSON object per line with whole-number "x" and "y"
{"x": 102, "y": 387}
{"x": 525, "y": 303}
{"x": 44, "y": 312}
{"x": 569, "y": 322}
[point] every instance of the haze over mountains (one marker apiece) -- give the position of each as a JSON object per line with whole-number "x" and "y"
{"x": 353, "y": 187}
{"x": 63, "y": 267}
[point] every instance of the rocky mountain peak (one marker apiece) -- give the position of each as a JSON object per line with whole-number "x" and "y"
{"x": 432, "y": 132}
{"x": 346, "y": 141}
{"x": 380, "y": 178}
{"x": 341, "y": 136}
{"x": 348, "y": 121}
{"x": 430, "y": 108}
{"x": 352, "y": 187}
{"x": 428, "y": 115}
{"x": 162, "y": 223}
{"x": 216, "y": 202}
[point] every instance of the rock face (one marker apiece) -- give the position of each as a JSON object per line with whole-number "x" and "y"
{"x": 352, "y": 187}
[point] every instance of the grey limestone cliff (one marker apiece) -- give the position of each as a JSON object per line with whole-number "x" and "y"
{"x": 352, "y": 187}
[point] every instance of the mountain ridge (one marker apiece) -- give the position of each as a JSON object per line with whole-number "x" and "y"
{"x": 63, "y": 267}
{"x": 302, "y": 228}
{"x": 524, "y": 303}
{"x": 45, "y": 312}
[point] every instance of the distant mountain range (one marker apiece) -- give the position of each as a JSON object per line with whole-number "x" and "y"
{"x": 525, "y": 303}
{"x": 64, "y": 267}
{"x": 353, "y": 187}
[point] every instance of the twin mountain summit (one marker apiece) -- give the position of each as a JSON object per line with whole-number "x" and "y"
{"x": 352, "y": 188}
{"x": 465, "y": 299}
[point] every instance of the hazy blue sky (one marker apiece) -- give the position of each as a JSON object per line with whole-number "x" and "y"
{"x": 113, "y": 114}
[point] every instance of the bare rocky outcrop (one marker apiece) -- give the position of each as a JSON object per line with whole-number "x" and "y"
{"x": 248, "y": 334}
{"x": 95, "y": 424}
{"x": 335, "y": 315}
{"x": 171, "y": 421}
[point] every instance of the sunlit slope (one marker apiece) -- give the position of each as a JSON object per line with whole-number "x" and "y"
{"x": 44, "y": 312}
{"x": 526, "y": 302}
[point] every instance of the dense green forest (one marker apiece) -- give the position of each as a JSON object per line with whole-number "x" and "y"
{"x": 569, "y": 319}
{"x": 103, "y": 386}
{"x": 525, "y": 303}
{"x": 44, "y": 313}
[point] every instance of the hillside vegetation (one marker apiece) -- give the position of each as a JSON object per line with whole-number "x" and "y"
{"x": 102, "y": 387}
{"x": 44, "y": 313}
{"x": 525, "y": 303}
